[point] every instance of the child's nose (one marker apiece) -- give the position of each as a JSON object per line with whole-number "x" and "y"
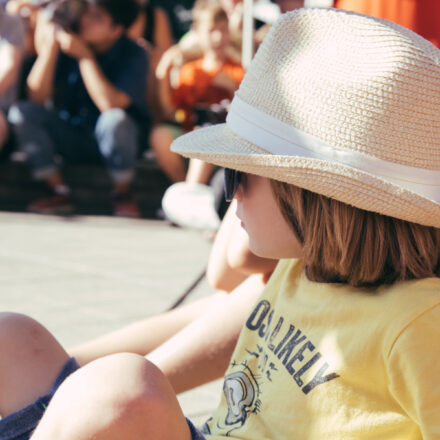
{"x": 216, "y": 36}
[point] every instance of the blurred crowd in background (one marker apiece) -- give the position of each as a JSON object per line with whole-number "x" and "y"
{"x": 112, "y": 81}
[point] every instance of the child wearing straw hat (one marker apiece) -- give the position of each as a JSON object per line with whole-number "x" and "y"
{"x": 332, "y": 146}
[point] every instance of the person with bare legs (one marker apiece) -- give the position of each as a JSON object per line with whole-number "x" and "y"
{"x": 95, "y": 77}
{"x": 193, "y": 343}
{"x": 340, "y": 342}
{"x": 197, "y": 96}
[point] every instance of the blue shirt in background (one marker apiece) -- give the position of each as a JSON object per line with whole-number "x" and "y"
{"x": 125, "y": 65}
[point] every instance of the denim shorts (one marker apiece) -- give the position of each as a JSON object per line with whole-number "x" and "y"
{"x": 21, "y": 424}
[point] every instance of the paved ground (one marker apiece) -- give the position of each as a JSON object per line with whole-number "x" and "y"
{"x": 84, "y": 276}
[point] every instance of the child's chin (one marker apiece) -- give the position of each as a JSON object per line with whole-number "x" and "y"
{"x": 260, "y": 251}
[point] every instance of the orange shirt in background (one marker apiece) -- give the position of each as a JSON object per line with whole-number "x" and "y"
{"x": 421, "y": 16}
{"x": 195, "y": 87}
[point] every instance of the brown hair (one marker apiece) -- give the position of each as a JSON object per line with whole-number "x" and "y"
{"x": 345, "y": 244}
{"x": 211, "y": 8}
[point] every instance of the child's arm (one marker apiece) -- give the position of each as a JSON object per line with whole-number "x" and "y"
{"x": 164, "y": 95}
{"x": 40, "y": 81}
{"x": 192, "y": 344}
{"x": 202, "y": 350}
{"x": 102, "y": 92}
{"x": 177, "y": 91}
{"x": 169, "y": 62}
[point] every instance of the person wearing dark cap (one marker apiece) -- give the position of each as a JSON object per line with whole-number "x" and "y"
{"x": 95, "y": 80}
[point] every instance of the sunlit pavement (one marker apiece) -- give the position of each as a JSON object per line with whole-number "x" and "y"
{"x": 84, "y": 276}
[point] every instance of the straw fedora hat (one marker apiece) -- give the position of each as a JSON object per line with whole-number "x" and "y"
{"x": 341, "y": 104}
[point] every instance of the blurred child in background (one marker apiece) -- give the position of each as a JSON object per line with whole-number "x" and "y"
{"x": 204, "y": 87}
{"x": 95, "y": 77}
{"x": 205, "y": 81}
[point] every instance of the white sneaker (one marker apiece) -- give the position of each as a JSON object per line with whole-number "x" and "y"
{"x": 191, "y": 205}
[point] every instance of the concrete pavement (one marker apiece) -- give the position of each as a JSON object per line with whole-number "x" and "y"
{"x": 85, "y": 276}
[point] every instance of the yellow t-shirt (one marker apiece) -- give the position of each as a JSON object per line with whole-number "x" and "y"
{"x": 330, "y": 362}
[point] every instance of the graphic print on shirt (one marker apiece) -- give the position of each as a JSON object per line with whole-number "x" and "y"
{"x": 242, "y": 391}
{"x": 280, "y": 347}
{"x": 288, "y": 344}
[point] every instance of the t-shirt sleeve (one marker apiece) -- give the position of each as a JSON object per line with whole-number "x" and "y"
{"x": 132, "y": 78}
{"x": 414, "y": 371}
{"x": 12, "y": 30}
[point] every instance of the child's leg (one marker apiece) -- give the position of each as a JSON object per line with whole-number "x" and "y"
{"x": 180, "y": 338}
{"x": 199, "y": 172}
{"x": 195, "y": 354}
{"x": 171, "y": 163}
{"x": 121, "y": 396}
{"x": 144, "y": 336}
{"x": 30, "y": 361}
{"x": 201, "y": 352}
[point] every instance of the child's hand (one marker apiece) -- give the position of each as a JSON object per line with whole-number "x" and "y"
{"x": 224, "y": 81}
{"x": 171, "y": 58}
{"x": 72, "y": 45}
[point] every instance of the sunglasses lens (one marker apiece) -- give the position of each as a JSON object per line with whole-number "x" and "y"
{"x": 232, "y": 182}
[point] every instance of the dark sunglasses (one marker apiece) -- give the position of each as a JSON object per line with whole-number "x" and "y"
{"x": 232, "y": 182}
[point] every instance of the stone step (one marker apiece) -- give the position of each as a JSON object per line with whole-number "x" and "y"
{"x": 91, "y": 187}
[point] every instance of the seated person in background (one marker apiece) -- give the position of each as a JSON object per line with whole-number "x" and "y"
{"x": 11, "y": 53}
{"x": 96, "y": 82}
{"x": 192, "y": 344}
{"x": 202, "y": 85}
{"x": 189, "y": 47}
{"x": 208, "y": 80}
{"x": 340, "y": 344}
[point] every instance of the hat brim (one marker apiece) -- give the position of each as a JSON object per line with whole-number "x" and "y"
{"x": 219, "y": 145}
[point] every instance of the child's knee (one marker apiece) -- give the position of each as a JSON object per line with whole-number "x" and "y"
{"x": 161, "y": 138}
{"x": 20, "y": 332}
{"x": 123, "y": 380}
{"x": 26, "y": 111}
{"x": 113, "y": 392}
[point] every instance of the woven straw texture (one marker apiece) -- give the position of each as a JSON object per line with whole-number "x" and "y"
{"x": 355, "y": 82}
